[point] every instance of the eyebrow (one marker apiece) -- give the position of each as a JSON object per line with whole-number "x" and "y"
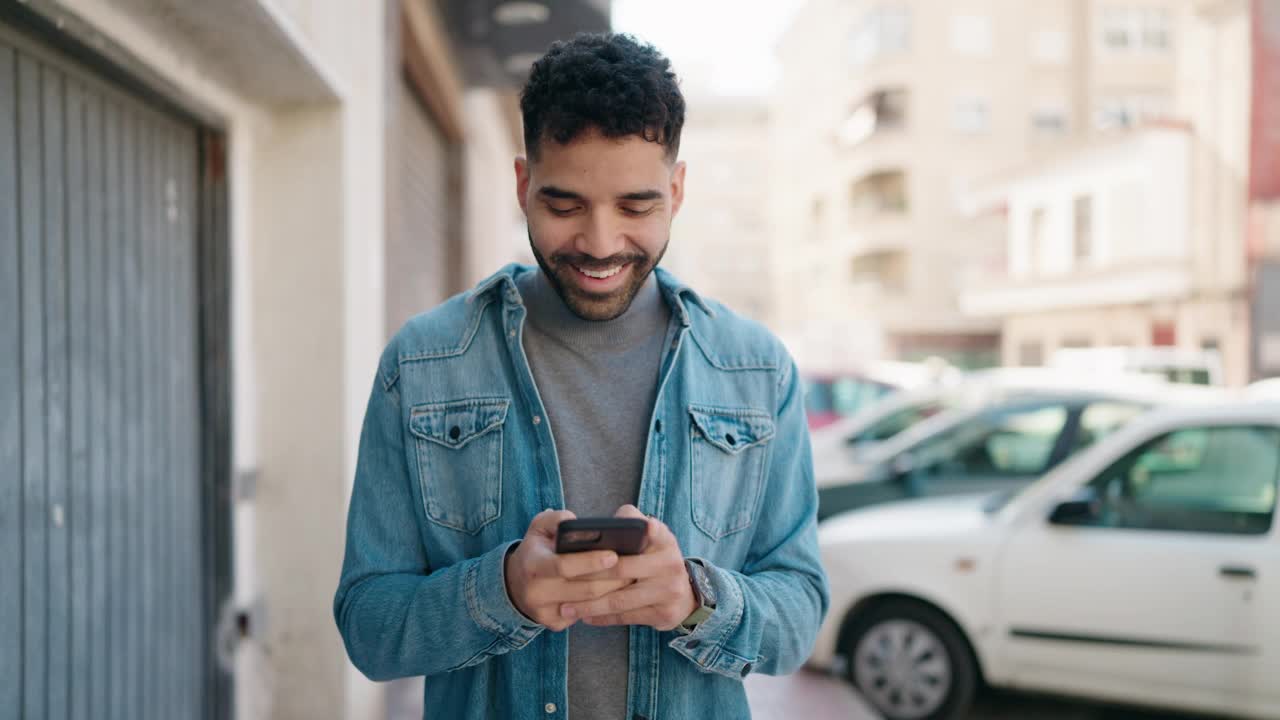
{"x": 555, "y": 193}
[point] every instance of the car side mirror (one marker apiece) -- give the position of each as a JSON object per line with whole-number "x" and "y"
{"x": 1080, "y": 509}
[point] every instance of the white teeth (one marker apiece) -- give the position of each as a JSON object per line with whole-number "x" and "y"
{"x": 601, "y": 275}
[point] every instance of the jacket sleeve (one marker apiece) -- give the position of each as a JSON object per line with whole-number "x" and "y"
{"x": 768, "y": 613}
{"x": 398, "y": 615}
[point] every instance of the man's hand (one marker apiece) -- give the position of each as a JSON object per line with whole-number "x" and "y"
{"x": 659, "y": 594}
{"x": 539, "y": 581}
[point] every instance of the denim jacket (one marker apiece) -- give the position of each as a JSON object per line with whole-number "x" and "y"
{"x": 456, "y": 458}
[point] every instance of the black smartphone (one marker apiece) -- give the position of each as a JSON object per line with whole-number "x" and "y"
{"x": 625, "y": 536}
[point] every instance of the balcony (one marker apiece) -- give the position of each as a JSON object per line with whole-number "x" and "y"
{"x": 882, "y": 111}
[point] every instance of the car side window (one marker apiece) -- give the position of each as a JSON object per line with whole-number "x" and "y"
{"x": 1009, "y": 442}
{"x": 1206, "y": 479}
{"x": 1100, "y": 419}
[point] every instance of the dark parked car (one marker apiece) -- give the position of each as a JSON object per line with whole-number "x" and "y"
{"x": 995, "y": 447}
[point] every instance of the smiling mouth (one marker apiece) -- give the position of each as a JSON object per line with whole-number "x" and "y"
{"x": 601, "y": 274}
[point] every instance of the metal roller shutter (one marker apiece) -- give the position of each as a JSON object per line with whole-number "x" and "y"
{"x": 104, "y": 605}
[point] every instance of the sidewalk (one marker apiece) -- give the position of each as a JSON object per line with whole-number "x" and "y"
{"x": 806, "y": 694}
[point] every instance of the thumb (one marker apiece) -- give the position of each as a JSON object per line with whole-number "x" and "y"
{"x": 629, "y": 511}
{"x": 546, "y": 522}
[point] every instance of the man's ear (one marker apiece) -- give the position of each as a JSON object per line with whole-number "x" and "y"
{"x": 522, "y": 183}
{"x": 677, "y": 187}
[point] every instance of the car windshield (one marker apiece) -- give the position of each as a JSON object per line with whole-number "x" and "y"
{"x": 896, "y": 422}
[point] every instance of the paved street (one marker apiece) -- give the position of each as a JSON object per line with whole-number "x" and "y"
{"x": 807, "y": 695}
{"x": 813, "y": 696}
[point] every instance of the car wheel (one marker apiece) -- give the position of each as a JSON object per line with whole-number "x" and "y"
{"x": 911, "y": 662}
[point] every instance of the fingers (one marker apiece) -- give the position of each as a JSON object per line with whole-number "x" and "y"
{"x": 643, "y": 567}
{"x": 546, "y": 522}
{"x": 616, "y": 603}
{"x": 575, "y": 591}
{"x": 574, "y": 565}
{"x": 658, "y": 535}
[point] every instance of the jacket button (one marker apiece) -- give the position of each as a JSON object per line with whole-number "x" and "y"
{"x": 657, "y": 426}
{"x": 455, "y": 432}
{"x": 550, "y": 708}
{"x": 693, "y": 644}
{"x": 746, "y": 669}
{"x": 729, "y": 438}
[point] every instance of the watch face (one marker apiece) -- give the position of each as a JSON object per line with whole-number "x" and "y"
{"x": 702, "y": 581}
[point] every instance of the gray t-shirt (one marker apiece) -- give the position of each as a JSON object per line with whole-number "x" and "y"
{"x": 598, "y": 382}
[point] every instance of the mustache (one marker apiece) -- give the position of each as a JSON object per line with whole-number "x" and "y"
{"x": 587, "y": 262}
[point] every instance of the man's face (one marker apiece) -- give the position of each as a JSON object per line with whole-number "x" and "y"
{"x": 599, "y": 212}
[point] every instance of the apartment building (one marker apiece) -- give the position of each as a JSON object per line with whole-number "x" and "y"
{"x": 887, "y": 110}
{"x": 1141, "y": 238}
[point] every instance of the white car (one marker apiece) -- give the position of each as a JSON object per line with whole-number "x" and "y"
{"x": 1268, "y": 389}
{"x": 1145, "y": 570}
{"x": 1177, "y": 365}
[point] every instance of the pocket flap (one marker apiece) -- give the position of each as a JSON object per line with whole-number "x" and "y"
{"x": 732, "y": 429}
{"x": 454, "y": 424}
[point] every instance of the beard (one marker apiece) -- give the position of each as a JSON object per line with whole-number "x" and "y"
{"x": 594, "y": 306}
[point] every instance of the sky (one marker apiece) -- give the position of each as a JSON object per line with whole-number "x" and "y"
{"x": 720, "y": 46}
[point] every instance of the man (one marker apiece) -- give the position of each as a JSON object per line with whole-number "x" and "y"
{"x": 595, "y": 385}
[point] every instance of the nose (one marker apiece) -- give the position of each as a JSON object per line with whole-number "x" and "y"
{"x": 602, "y": 236}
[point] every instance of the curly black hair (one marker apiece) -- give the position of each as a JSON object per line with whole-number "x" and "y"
{"x": 608, "y": 82}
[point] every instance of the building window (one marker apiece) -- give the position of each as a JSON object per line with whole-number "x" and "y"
{"x": 883, "y": 192}
{"x": 882, "y": 110}
{"x": 1050, "y": 47}
{"x": 970, "y": 115}
{"x": 1049, "y": 120}
{"x": 971, "y": 34}
{"x": 886, "y": 270}
{"x": 1129, "y": 29}
{"x": 1154, "y": 25}
{"x": 884, "y": 30}
{"x": 1083, "y": 228}
{"x": 1126, "y": 111}
{"x": 1031, "y": 353}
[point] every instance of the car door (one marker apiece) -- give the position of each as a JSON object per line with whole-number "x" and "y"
{"x": 1153, "y": 595}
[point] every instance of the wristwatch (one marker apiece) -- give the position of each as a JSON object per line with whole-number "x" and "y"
{"x": 703, "y": 591}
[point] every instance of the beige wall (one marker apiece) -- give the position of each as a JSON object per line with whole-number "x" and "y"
{"x": 720, "y": 241}
{"x": 493, "y": 226}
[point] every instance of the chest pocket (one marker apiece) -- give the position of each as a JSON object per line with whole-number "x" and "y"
{"x": 728, "y": 454}
{"x": 459, "y": 447}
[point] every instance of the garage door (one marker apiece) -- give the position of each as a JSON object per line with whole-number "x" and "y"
{"x": 103, "y": 583}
